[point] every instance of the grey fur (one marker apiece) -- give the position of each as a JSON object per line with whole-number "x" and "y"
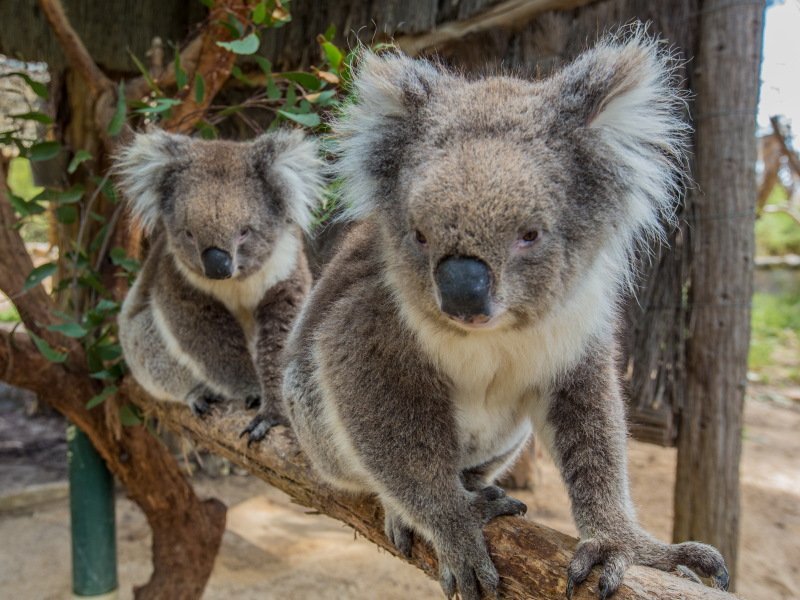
{"x": 190, "y": 338}
{"x": 389, "y": 396}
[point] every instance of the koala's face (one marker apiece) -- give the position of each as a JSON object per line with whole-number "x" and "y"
{"x": 497, "y": 197}
{"x": 223, "y": 205}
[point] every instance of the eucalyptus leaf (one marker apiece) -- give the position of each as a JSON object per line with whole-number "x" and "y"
{"x": 118, "y": 120}
{"x": 128, "y": 416}
{"x": 37, "y": 116}
{"x": 46, "y": 349}
{"x": 39, "y": 274}
{"x": 72, "y": 330}
{"x": 80, "y": 157}
{"x": 101, "y": 397}
{"x": 44, "y": 151}
{"x": 306, "y": 120}
{"x": 247, "y": 45}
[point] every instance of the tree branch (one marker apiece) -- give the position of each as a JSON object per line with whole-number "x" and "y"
{"x": 75, "y": 52}
{"x": 186, "y": 531}
{"x": 532, "y": 559}
{"x": 214, "y": 65}
{"x": 791, "y": 155}
{"x": 511, "y": 14}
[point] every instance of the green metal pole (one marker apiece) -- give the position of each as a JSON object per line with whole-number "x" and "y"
{"x": 91, "y": 499}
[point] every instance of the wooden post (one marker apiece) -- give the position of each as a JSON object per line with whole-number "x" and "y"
{"x": 725, "y": 79}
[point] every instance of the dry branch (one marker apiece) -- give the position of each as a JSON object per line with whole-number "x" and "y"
{"x": 186, "y": 531}
{"x": 532, "y": 559}
{"x": 75, "y": 52}
{"x": 791, "y": 155}
{"x": 511, "y": 14}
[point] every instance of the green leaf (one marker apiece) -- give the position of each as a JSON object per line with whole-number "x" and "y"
{"x": 199, "y": 88}
{"x": 264, "y": 64}
{"x": 66, "y": 214}
{"x": 247, "y": 45}
{"x": 322, "y": 98}
{"x": 159, "y": 105}
{"x": 118, "y": 120}
{"x": 44, "y": 151}
{"x": 101, "y": 397}
{"x": 181, "y": 78}
{"x": 333, "y": 55}
{"x": 144, "y": 72}
{"x": 121, "y": 259}
{"x": 207, "y": 3}
{"x": 70, "y": 196}
{"x": 307, "y": 80}
{"x": 33, "y": 116}
{"x": 259, "y": 13}
{"x": 47, "y": 350}
{"x": 38, "y": 88}
{"x": 23, "y": 208}
{"x": 330, "y": 32}
{"x": 72, "y": 330}
{"x": 107, "y": 306}
{"x": 306, "y": 120}
{"x": 128, "y": 416}
{"x": 108, "y": 351}
{"x": 80, "y": 156}
{"x": 40, "y": 273}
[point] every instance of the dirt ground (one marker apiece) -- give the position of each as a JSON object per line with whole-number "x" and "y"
{"x": 272, "y": 549}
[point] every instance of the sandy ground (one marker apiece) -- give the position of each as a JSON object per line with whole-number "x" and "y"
{"x": 272, "y": 549}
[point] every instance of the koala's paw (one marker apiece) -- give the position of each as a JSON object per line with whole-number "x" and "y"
{"x": 616, "y": 556}
{"x": 466, "y": 568}
{"x": 399, "y": 534}
{"x": 200, "y": 400}
{"x": 492, "y": 502}
{"x": 260, "y": 425}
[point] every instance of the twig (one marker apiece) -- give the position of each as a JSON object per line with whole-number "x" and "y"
{"x": 791, "y": 155}
{"x": 74, "y": 51}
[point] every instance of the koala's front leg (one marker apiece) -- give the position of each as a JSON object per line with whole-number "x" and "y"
{"x": 274, "y": 317}
{"x": 587, "y": 425}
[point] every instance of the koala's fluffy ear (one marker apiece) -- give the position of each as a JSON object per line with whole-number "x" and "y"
{"x": 142, "y": 168}
{"x": 626, "y": 90}
{"x": 371, "y": 131}
{"x": 294, "y": 160}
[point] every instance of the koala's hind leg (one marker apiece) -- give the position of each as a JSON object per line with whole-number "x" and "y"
{"x": 154, "y": 367}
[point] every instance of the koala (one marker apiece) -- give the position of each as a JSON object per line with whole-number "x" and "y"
{"x": 476, "y": 300}
{"x": 225, "y": 275}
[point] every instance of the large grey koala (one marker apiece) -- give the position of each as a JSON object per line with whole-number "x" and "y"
{"x": 225, "y": 276}
{"x": 477, "y": 300}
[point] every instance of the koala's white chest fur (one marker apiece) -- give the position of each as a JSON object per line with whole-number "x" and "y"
{"x": 242, "y": 296}
{"x": 501, "y": 378}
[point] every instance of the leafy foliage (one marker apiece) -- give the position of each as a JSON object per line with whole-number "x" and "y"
{"x": 88, "y": 269}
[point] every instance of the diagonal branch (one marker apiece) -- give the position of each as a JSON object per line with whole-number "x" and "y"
{"x": 75, "y": 52}
{"x": 532, "y": 559}
{"x": 214, "y": 65}
{"x": 511, "y": 14}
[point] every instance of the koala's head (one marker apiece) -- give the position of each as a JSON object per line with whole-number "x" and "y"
{"x": 496, "y": 197}
{"x": 223, "y": 205}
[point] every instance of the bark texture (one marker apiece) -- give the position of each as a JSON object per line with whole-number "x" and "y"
{"x": 531, "y": 559}
{"x": 710, "y": 439}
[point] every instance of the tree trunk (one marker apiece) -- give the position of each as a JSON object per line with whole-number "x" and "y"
{"x": 709, "y": 443}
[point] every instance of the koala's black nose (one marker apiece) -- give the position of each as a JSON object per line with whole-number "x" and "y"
{"x": 465, "y": 285}
{"x": 217, "y": 263}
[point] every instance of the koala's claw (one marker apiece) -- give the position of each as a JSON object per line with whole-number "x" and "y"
{"x": 473, "y": 581}
{"x": 493, "y": 503}
{"x": 258, "y": 428}
{"x": 399, "y": 534}
{"x": 201, "y": 404}
{"x": 617, "y": 556}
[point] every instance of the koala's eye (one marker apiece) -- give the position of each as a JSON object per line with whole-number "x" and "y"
{"x": 244, "y": 233}
{"x": 529, "y": 237}
{"x": 420, "y": 237}
{"x": 188, "y": 234}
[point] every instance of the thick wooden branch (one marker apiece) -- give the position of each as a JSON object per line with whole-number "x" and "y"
{"x": 75, "y": 53}
{"x": 186, "y": 531}
{"x": 511, "y": 14}
{"x": 532, "y": 559}
{"x": 214, "y": 65}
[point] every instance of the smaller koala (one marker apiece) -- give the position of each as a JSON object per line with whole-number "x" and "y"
{"x": 225, "y": 275}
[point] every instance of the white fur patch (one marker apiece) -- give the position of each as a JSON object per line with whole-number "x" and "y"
{"x": 298, "y": 164}
{"x": 498, "y": 374}
{"x": 242, "y": 296}
{"x": 641, "y": 122}
{"x": 140, "y": 167}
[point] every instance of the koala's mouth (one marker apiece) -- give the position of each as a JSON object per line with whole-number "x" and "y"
{"x": 476, "y": 322}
